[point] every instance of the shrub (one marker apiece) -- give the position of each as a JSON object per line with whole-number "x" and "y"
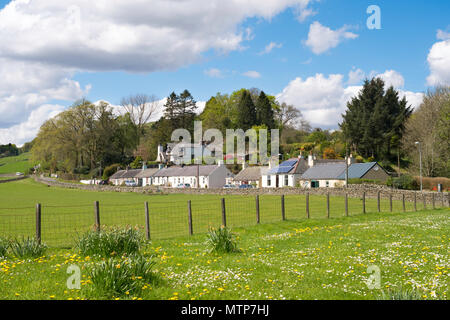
{"x": 27, "y": 248}
{"x": 4, "y": 245}
{"x": 401, "y": 294}
{"x": 115, "y": 277}
{"x": 222, "y": 240}
{"x": 110, "y": 242}
{"x": 110, "y": 170}
{"x": 405, "y": 182}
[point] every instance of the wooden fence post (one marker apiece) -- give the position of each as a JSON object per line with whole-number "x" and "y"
{"x": 378, "y": 201}
{"x": 224, "y": 214}
{"x": 283, "y": 211}
{"x": 307, "y": 205}
{"x": 147, "y": 221}
{"x": 191, "y": 229}
{"x": 390, "y": 202}
{"x": 404, "y": 204}
{"x": 346, "y": 204}
{"x": 97, "y": 216}
{"x": 415, "y": 201}
{"x": 258, "y": 217}
{"x": 38, "y": 223}
{"x": 433, "y": 201}
{"x": 328, "y": 205}
{"x": 364, "y": 202}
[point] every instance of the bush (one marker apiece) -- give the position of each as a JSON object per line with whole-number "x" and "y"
{"x": 222, "y": 240}
{"x": 27, "y": 248}
{"x": 110, "y": 170}
{"x": 401, "y": 294}
{"x": 81, "y": 170}
{"x": 110, "y": 242}
{"x": 115, "y": 277}
{"x": 4, "y": 245}
{"x": 403, "y": 182}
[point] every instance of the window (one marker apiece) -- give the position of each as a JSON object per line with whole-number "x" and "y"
{"x": 286, "y": 180}
{"x": 327, "y": 183}
{"x": 268, "y": 181}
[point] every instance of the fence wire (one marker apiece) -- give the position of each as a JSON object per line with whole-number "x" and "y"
{"x": 62, "y": 225}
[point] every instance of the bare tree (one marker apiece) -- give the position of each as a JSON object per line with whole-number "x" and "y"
{"x": 289, "y": 116}
{"x": 141, "y": 108}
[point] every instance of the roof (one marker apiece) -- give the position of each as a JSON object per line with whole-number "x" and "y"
{"x": 330, "y": 170}
{"x": 251, "y": 173}
{"x": 125, "y": 174}
{"x": 291, "y": 166}
{"x": 147, "y": 173}
{"x": 186, "y": 171}
{"x": 358, "y": 170}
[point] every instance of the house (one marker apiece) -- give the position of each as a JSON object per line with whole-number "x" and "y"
{"x": 180, "y": 152}
{"x": 209, "y": 176}
{"x": 286, "y": 174}
{"x": 146, "y": 176}
{"x": 122, "y": 176}
{"x": 332, "y": 174}
{"x": 250, "y": 175}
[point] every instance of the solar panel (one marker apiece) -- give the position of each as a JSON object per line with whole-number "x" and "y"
{"x": 288, "y": 163}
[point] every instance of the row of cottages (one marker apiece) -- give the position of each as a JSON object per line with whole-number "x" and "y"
{"x": 209, "y": 176}
{"x": 309, "y": 173}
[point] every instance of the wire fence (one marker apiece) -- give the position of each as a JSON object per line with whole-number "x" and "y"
{"x": 60, "y": 226}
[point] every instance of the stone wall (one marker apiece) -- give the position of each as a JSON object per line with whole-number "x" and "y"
{"x": 353, "y": 191}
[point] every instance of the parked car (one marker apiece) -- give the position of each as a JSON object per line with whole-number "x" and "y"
{"x": 131, "y": 183}
{"x": 229, "y": 186}
{"x": 183, "y": 186}
{"x": 103, "y": 182}
{"x": 245, "y": 186}
{"x": 19, "y": 174}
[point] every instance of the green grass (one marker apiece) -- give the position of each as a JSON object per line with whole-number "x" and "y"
{"x": 294, "y": 259}
{"x": 19, "y": 163}
{"x": 67, "y": 213}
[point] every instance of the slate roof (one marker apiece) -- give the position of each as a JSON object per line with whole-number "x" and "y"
{"x": 125, "y": 174}
{"x": 291, "y": 166}
{"x": 358, "y": 170}
{"x": 147, "y": 173}
{"x": 324, "y": 171}
{"x": 186, "y": 171}
{"x": 251, "y": 173}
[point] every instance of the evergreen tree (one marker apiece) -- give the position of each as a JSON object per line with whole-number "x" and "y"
{"x": 264, "y": 111}
{"x": 246, "y": 112}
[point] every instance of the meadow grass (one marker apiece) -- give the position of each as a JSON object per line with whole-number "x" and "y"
{"x": 294, "y": 259}
{"x": 68, "y": 213}
{"x": 20, "y": 163}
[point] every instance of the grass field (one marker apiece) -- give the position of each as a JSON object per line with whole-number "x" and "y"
{"x": 309, "y": 259}
{"x": 20, "y": 163}
{"x": 68, "y": 212}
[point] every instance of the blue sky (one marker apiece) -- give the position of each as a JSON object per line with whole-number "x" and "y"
{"x": 403, "y": 47}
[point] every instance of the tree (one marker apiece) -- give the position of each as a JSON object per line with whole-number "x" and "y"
{"x": 430, "y": 126}
{"x": 264, "y": 111}
{"x": 374, "y": 120}
{"x": 246, "y": 112}
{"x": 141, "y": 108}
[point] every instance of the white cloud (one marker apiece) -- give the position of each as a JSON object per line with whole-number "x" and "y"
{"x": 355, "y": 76}
{"x": 321, "y": 38}
{"x": 214, "y": 73}
{"x": 392, "y": 78}
{"x": 270, "y": 47}
{"x": 43, "y": 43}
{"x": 130, "y": 35}
{"x": 442, "y": 35}
{"x": 439, "y": 61}
{"x": 323, "y": 99}
{"x": 27, "y": 130}
{"x": 252, "y": 74}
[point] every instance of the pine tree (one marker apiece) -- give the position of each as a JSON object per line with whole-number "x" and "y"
{"x": 264, "y": 111}
{"x": 246, "y": 112}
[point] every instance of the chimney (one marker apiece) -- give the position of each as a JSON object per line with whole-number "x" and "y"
{"x": 160, "y": 166}
{"x": 350, "y": 159}
{"x": 220, "y": 163}
{"x": 310, "y": 160}
{"x": 244, "y": 165}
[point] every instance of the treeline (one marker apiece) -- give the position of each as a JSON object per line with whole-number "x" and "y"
{"x": 11, "y": 150}
{"x": 377, "y": 126}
